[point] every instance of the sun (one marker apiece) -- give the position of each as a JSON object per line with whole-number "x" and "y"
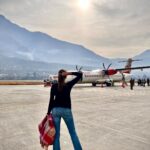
{"x": 84, "y": 4}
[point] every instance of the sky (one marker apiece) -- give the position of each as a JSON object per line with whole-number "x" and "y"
{"x": 110, "y": 28}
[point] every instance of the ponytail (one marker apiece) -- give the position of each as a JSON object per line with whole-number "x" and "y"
{"x": 61, "y": 80}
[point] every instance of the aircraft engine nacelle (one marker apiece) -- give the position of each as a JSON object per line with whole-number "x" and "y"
{"x": 111, "y": 72}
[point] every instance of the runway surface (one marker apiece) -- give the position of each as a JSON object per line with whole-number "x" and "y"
{"x": 105, "y": 118}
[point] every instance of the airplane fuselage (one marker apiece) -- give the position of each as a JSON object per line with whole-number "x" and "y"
{"x": 95, "y": 76}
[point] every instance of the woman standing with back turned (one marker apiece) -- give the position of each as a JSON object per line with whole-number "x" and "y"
{"x": 60, "y": 105}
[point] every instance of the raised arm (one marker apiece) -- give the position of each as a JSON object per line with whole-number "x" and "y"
{"x": 76, "y": 79}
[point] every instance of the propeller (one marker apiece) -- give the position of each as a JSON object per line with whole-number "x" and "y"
{"x": 79, "y": 69}
{"x": 105, "y": 71}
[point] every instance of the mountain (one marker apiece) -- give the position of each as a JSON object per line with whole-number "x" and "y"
{"x": 23, "y": 52}
{"x": 18, "y": 42}
{"x": 144, "y": 57}
{"x": 14, "y": 68}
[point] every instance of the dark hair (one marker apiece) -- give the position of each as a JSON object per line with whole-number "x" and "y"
{"x": 61, "y": 79}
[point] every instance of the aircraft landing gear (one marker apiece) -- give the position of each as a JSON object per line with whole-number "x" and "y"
{"x": 110, "y": 83}
{"x": 93, "y": 84}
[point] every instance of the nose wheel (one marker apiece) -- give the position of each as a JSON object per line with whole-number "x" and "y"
{"x": 93, "y": 84}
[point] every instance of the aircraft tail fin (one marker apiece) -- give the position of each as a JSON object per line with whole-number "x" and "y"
{"x": 128, "y": 65}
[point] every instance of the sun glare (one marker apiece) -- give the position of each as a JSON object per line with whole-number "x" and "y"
{"x": 84, "y": 4}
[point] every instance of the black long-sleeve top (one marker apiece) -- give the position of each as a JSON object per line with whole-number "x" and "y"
{"x": 62, "y": 98}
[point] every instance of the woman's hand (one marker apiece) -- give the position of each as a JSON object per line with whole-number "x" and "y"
{"x": 46, "y": 147}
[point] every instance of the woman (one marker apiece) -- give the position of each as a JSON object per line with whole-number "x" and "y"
{"x": 60, "y": 105}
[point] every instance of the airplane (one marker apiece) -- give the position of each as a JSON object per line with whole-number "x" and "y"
{"x": 101, "y": 76}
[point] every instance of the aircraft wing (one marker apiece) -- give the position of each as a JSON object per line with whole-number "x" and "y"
{"x": 133, "y": 68}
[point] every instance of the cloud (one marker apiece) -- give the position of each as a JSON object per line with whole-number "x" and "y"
{"x": 123, "y": 23}
{"x": 123, "y": 8}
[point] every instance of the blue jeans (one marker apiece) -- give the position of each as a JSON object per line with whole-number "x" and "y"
{"x": 66, "y": 114}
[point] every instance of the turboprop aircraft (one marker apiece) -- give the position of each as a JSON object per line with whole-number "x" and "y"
{"x": 101, "y": 76}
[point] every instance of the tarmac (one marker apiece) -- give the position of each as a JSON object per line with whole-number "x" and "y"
{"x": 110, "y": 118}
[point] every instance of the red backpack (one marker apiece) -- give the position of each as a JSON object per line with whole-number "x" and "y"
{"x": 47, "y": 131}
